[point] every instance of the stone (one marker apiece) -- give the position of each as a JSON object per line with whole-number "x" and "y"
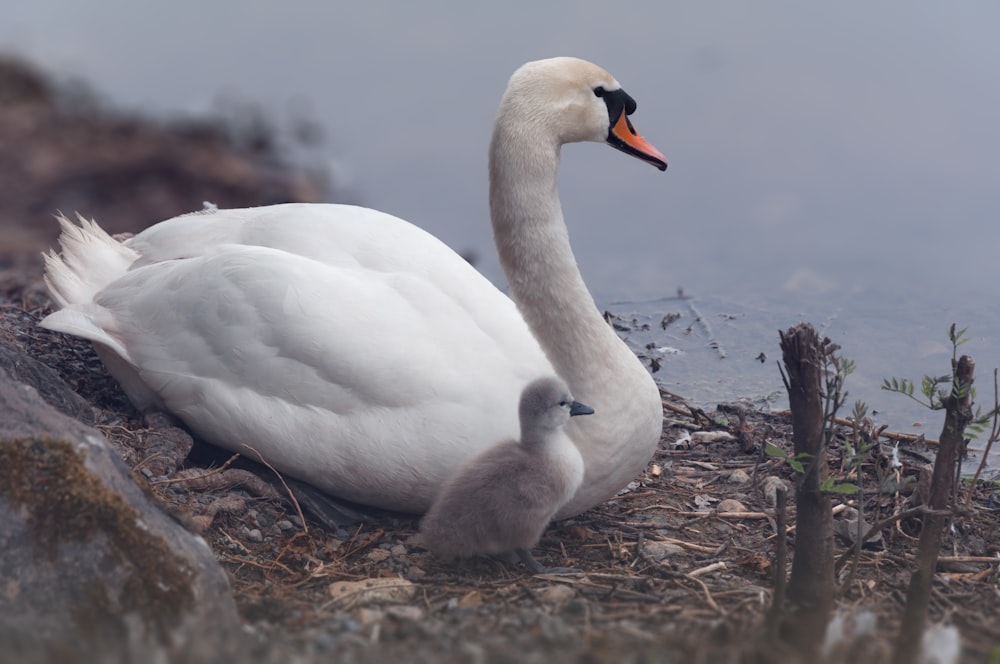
{"x": 20, "y": 367}
{"x": 731, "y": 505}
{"x": 739, "y": 476}
{"x": 770, "y": 488}
{"x": 653, "y": 551}
{"x": 374, "y": 591}
{"x": 556, "y": 595}
{"x": 92, "y": 569}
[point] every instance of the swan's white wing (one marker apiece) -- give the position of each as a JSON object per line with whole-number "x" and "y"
{"x": 378, "y": 351}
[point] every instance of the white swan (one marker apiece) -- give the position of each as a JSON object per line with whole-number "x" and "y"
{"x": 357, "y": 352}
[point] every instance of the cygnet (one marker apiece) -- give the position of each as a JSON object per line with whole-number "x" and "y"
{"x": 500, "y": 501}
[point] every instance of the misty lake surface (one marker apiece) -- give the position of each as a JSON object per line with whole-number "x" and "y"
{"x": 835, "y": 164}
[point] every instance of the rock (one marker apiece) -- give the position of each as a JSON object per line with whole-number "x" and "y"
{"x": 471, "y": 600}
{"x": 556, "y": 595}
{"x": 770, "y": 487}
{"x": 349, "y": 594}
{"x": 703, "y": 502}
{"x": 846, "y": 527}
{"x": 367, "y": 616}
{"x": 61, "y": 151}
{"x": 712, "y": 437}
{"x": 378, "y": 555}
{"x": 730, "y": 505}
{"x": 165, "y": 445}
{"x": 653, "y": 551}
{"x": 739, "y": 476}
{"x": 21, "y": 367}
{"x": 411, "y": 613}
{"x": 92, "y": 569}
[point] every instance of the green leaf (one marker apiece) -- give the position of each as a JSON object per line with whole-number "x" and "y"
{"x": 775, "y": 451}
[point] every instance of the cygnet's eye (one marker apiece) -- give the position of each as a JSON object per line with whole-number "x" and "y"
{"x": 600, "y": 91}
{"x": 563, "y": 403}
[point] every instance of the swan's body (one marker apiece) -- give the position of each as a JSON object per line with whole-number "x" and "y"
{"x": 501, "y": 500}
{"x": 354, "y": 350}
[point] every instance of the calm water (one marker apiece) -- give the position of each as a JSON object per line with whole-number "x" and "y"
{"x": 712, "y": 352}
{"x": 835, "y": 163}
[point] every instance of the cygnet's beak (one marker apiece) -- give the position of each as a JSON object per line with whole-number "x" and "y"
{"x": 577, "y": 408}
{"x": 623, "y": 136}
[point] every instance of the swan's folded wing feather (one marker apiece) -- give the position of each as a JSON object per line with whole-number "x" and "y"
{"x": 264, "y": 345}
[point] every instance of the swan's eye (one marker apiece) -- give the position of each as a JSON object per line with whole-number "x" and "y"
{"x": 600, "y": 91}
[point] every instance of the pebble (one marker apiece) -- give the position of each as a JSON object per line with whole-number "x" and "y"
{"x": 632, "y": 486}
{"x": 556, "y": 595}
{"x": 398, "y": 550}
{"x": 378, "y": 555}
{"x": 367, "y": 616}
{"x": 730, "y": 505}
{"x": 739, "y": 476}
{"x": 770, "y": 486}
{"x": 414, "y": 613}
{"x": 284, "y": 524}
{"x": 254, "y": 535}
{"x": 654, "y": 551}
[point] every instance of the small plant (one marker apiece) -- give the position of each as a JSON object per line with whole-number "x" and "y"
{"x": 957, "y": 404}
{"x": 835, "y": 370}
{"x": 936, "y": 390}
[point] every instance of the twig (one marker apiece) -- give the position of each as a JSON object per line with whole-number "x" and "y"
{"x": 780, "y": 564}
{"x": 253, "y": 563}
{"x": 707, "y": 569}
{"x": 685, "y": 411}
{"x": 729, "y": 515}
{"x": 687, "y": 545}
{"x": 291, "y": 496}
{"x": 892, "y": 435}
{"x": 837, "y": 509}
{"x": 888, "y": 521}
{"x": 704, "y": 589}
{"x": 569, "y": 579}
{"x": 214, "y": 471}
{"x": 969, "y": 559}
{"x": 994, "y": 436}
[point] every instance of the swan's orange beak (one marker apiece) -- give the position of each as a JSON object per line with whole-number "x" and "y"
{"x": 624, "y": 137}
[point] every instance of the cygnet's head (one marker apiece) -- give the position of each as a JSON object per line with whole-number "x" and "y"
{"x": 575, "y": 100}
{"x": 546, "y": 406}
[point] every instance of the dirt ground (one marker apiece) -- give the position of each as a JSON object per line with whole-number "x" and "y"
{"x": 670, "y": 573}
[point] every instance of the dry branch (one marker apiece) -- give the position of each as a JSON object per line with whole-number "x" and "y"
{"x": 958, "y": 414}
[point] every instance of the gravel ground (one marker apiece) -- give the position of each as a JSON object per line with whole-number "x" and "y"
{"x": 671, "y": 571}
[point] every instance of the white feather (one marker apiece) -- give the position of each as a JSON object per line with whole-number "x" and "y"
{"x": 356, "y": 351}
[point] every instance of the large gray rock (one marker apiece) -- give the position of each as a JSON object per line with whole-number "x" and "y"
{"x": 91, "y": 570}
{"x": 25, "y": 369}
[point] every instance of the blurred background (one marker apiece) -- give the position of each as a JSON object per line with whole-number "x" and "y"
{"x": 835, "y": 163}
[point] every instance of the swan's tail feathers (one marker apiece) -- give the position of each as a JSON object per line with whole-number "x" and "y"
{"x": 89, "y": 261}
{"x": 88, "y": 320}
{"x": 79, "y": 320}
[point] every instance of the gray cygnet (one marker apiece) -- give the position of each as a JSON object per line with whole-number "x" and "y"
{"x": 500, "y": 501}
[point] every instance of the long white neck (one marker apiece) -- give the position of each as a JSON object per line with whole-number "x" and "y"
{"x": 536, "y": 256}
{"x": 546, "y": 284}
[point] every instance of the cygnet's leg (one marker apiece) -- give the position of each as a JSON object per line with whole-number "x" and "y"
{"x": 532, "y": 564}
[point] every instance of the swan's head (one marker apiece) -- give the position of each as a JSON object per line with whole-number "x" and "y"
{"x": 575, "y": 100}
{"x": 546, "y": 405}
